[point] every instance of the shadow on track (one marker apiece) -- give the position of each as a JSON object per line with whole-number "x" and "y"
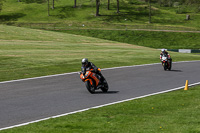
{"x": 176, "y": 71}
{"x": 109, "y": 92}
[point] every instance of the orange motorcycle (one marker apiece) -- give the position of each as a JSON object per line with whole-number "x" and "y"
{"x": 93, "y": 81}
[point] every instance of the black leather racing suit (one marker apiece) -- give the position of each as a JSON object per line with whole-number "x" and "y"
{"x": 90, "y": 66}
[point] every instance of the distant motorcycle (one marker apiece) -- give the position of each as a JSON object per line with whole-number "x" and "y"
{"x": 166, "y": 63}
{"x": 92, "y": 81}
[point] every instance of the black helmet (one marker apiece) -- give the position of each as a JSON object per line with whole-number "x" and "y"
{"x": 84, "y": 61}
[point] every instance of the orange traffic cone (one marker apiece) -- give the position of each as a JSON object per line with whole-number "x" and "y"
{"x": 186, "y": 85}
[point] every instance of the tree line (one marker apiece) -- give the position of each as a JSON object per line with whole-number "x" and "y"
{"x": 75, "y": 4}
{"x": 1, "y": 4}
{"x": 97, "y": 5}
{"x": 168, "y": 3}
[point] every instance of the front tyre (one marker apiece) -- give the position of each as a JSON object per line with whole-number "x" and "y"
{"x": 165, "y": 66}
{"x": 170, "y": 65}
{"x": 90, "y": 87}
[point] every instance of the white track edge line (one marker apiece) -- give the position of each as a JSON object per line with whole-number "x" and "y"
{"x": 77, "y": 72}
{"x": 23, "y": 124}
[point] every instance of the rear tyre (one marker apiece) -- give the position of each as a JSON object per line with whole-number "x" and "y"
{"x": 90, "y": 87}
{"x": 105, "y": 88}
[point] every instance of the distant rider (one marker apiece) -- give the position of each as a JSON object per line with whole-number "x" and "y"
{"x": 86, "y": 66}
{"x": 164, "y": 53}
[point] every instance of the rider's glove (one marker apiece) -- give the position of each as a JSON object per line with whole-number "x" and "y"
{"x": 93, "y": 71}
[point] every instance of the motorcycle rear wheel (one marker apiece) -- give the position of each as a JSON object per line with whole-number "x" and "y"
{"x": 105, "y": 88}
{"x": 90, "y": 87}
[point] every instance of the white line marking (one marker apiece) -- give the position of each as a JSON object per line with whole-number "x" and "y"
{"x": 77, "y": 72}
{"x": 23, "y": 124}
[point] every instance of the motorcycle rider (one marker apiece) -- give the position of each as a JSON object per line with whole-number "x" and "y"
{"x": 86, "y": 66}
{"x": 164, "y": 53}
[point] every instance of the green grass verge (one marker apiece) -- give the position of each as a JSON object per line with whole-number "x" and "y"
{"x": 26, "y": 53}
{"x": 152, "y": 39}
{"x": 173, "y": 112}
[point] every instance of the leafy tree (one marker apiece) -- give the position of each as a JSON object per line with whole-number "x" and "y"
{"x": 74, "y": 3}
{"x": 108, "y": 5}
{"x": 1, "y": 4}
{"x": 53, "y": 4}
{"x": 48, "y": 7}
{"x": 97, "y": 7}
{"x": 118, "y": 6}
{"x": 149, "y": 11}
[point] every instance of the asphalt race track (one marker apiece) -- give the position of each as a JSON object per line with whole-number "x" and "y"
{"x": 29, "y": 100}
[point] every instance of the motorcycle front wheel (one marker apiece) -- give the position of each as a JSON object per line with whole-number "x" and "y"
{"x": 170, "y": 65}
{"x": 165, "y": 66}
{"x": 90, "y": 87}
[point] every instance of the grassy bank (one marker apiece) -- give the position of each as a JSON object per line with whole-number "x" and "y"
{"x": 134, "y": 14}
{"x": 152, "y": 39}
{"x": 28, "y": 53}
{"x": 171, "y": 112}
